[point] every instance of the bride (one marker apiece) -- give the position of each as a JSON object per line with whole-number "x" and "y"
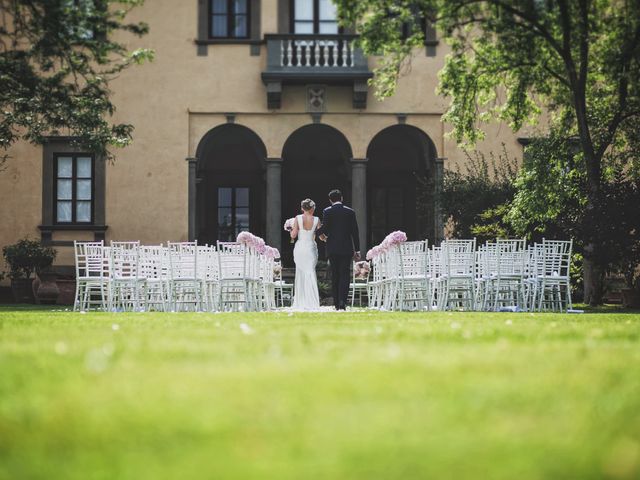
{"x": 305, "y": 256}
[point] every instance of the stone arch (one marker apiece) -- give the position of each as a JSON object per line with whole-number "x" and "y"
{"x": 401, "y": 184}
{"x": 229, "y": 186}
{"x": 315, "y": 159}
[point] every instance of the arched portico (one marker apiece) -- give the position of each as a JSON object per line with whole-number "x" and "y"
{"x": 402, "y": 178}
{"x": 315, "y": 159}
{"x": 229, "y": 184}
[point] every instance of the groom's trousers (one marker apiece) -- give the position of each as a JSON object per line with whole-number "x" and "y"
{"x": 340, "y": 270}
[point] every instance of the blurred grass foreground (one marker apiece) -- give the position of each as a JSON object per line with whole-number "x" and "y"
{"x": 358, "y": 395}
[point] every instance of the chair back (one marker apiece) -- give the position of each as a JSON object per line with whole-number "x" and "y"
{"x": 183, "y": 260}
{"x": 124, "y": 262}
{"x": 459, "y": 257}
{"x": 232, "y": 260}
{"x": 90, "y": 260}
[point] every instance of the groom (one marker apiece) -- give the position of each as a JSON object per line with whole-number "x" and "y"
{"x": 340, "y": 231}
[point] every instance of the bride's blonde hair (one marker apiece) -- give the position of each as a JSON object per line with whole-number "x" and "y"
{"x": 307, "y": 204}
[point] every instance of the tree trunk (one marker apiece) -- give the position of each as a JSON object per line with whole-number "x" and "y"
{"x": 593, "y": 276}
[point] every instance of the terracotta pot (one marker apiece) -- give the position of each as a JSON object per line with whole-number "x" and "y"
{"x": 48, "y": 291}
{"x": 22, "y": 290}
{"x": 630, "y": 298}
{"x": 67, "y": 289}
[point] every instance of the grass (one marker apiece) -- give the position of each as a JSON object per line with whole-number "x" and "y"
{"x": 359, "y": 395}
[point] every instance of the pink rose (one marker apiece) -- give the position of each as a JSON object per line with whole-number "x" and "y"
{"x": 244, "y": 237}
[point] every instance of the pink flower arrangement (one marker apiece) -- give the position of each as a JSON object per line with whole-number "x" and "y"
{"x": 259, "y": 245}
{"x": 361, "y": 270}
{"x": 255, "y": 242}
{"x": 394, "y": 238}
{"x": 374, "y": 252}
{"x": 244, "y": 237}
{"x": 271, "y": 252}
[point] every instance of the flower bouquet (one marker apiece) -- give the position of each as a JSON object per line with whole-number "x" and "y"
{"x": 361, "y": 270}
{"x": 288, "y": 226}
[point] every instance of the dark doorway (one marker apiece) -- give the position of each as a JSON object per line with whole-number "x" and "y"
{"x": 400, "y": 173}
{"x": 230, "y": 189}
{"x": 315, "y": 160}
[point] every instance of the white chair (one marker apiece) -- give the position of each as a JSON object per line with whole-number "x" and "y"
{"x": 375, "y": 283}
{"x": 435, "y": 273}
{"x": 92, "y": 276}
{"x": 268, "y": 284}
{"x": 506, "y": 284}
{"x": 359, "y": 286}
{"x": 413, "y": 276}
{"x": 126, "y": 286}
{"x": 284, "y": 290}
{"x": 234, "y": 292}
{"x": 554, "y": 286}
{"x": 457, "y": 282}
{"x": 185, "y": 288}
{"x": 154, "y": 269}
{"x": 209, "y": 275}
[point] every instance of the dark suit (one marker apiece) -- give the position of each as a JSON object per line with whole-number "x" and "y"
{"x": 341, "y": 228}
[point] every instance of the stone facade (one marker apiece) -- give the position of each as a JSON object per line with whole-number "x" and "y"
{"x": 200, "y": 96}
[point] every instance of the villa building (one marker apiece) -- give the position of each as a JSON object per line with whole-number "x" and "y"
{"x": 249, "y": 107}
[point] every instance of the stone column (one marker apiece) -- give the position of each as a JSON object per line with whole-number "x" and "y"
{"x": 359, "y": 197}
{"x": 274, "y": 202}
{"x": 191, "y": 196}
{"x": 437, "y": 206}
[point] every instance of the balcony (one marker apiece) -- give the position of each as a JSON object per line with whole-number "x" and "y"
{"x": 304, "y": 59}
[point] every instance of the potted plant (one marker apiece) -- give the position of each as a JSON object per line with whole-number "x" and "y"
{"x": 25, "y": 258}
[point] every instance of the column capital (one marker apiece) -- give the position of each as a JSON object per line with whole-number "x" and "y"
{"x": 191, "y": 160}
{"x": 359, "y": 161}
{"x": 441, "y": 159}
{"x": 273, "y": 160}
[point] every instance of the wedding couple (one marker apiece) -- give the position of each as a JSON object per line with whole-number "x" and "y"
{"x": 339, "y": 230}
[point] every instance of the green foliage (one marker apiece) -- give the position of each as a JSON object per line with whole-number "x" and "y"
{"x": 578, "y": 60}
{"x": 551, "y": 201}
{"x": 469, "y": 196}
{"x": 56, "y": 60}
{"x": 26, "y": 257}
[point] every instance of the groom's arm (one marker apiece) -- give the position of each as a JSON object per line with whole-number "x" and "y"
{"x": 325, "y": 227}
{"x": 355, "y": 234}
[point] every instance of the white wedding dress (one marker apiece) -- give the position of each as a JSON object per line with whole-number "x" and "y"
{"x": 305, "y": 255}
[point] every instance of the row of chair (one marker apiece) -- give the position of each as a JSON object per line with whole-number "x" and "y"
{"x": 181, "y": 276}
{"x": 505, "y": 274}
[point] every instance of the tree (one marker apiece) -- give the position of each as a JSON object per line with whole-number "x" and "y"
{"x": 578, "y": 59}
{"x": 470, "y": 195}
{"x": 56, "y": 60}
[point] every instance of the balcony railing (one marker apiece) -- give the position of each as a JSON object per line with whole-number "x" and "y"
{"x": 300, "y": 59}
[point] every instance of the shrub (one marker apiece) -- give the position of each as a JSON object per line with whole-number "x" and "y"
{"x": 26, "y": 257}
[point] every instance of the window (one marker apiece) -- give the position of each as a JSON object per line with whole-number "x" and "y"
{"x": 233, "y": 212}
{"x": 73, "y": 188}
{"x": 408, "y": 28}
{"x": 229, "y": 19}
{"x": 314, "y": 16}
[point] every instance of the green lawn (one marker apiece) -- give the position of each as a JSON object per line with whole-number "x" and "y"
{"x": 361, "y": 395}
